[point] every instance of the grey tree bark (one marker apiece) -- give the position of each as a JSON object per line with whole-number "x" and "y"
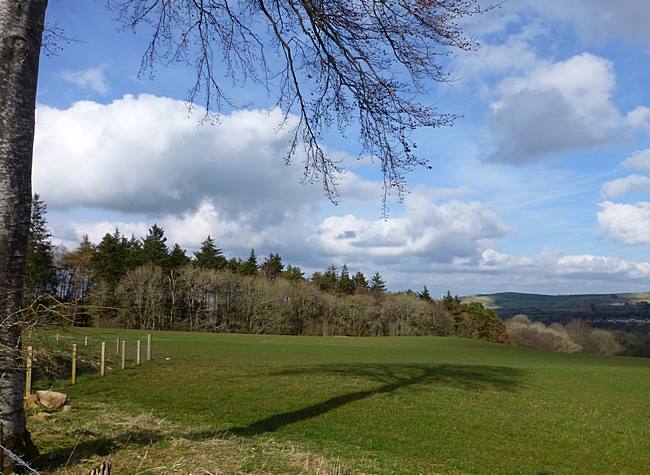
{"x": 21, "y": 31}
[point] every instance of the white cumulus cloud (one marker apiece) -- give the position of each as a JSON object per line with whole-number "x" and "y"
{"x": 147, "y": 154}
{"x": 428, "y": 230}
{"x": 557, "y": 107}
{"x": 625, "y": 223}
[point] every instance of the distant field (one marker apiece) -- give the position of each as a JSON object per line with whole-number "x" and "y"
{"x": 409, "y": 405}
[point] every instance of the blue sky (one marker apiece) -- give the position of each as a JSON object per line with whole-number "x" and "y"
{"x": 541, "y": 186}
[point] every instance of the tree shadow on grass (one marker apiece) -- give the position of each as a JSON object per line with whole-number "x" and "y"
{"x": 386, "y": 379}
{"x": 390, "y": 378}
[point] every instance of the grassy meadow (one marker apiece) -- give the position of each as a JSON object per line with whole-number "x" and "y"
{"x": 213, "y": 403}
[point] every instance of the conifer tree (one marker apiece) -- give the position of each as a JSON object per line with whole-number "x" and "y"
{"x": 234, "y": 264}
{"x": 114, "y": 256}
{"x": 360, "y": 283}
{"x": 451, "y": 302}
{"x": 330, "y": 279}
{"x": 249, "y": 266}
{"x": 425, "y": 295}
{"x": 177, "y": 257}
{"x": 39, "y": 271}
{"x": 346, "y": 284}
{"x": 209, "y": 256}
{"x": 293, "y": 273}
{"x": 154, "y": 247}
{"x": 272, "y": 266}
{"x": 377, "y": 283}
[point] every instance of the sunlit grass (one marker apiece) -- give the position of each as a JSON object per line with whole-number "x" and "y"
{"x": 379, "y": 405}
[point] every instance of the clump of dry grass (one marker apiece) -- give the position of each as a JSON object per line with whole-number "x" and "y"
{"x": 316, "y": 464}
{"x": 76, "y": 442}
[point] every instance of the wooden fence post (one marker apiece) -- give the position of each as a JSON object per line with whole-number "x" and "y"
{"x": 137, "y": 354}
{"x": 102, "y": 362}
{"x": 74, "y": 364}
{"x": 123, "y": 353}
{"x": 57, "y": 337}
{"x": 28, "y": 376}
{"x": 117, "y": 345}
{"x": 149, "y": 347}
{"x": 86, "y": 341}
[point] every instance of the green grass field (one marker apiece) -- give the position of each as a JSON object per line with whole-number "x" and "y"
{"x": 406, "y": 405}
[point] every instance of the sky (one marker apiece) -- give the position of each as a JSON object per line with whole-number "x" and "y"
{"x": 542, "y": 185}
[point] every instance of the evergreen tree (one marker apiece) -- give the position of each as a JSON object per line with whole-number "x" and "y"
{"x": 249, "y": 266}
{"x": 209, "y": 257}
{"x": 154, "y": 247}
{"x": 346, "y": 284}
{"x": 293, "y": 273}
{"x": 425, "y": 295}
{"x": 132, "y": 248}
{"x": 272, "y": 266}
{"x": 451, "y": 303}
{"x": 377, "y": 283}
{"x": 177, "y": 257}
{"x": 360, "y": 283}
{"x": 114, "y": 256}
{"x": 39, "y": 269}
{"x": 330, "y": 280}
{"x": 233, "y": 265}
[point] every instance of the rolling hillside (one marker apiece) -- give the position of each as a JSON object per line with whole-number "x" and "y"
{"x": 627, "y": 311}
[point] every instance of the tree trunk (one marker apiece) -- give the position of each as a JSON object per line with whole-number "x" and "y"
{"x": 21, "y": 30}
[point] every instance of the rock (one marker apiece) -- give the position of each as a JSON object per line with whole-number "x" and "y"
{"x": 44, "y": 416}
{"x": 51, "y": 399}
{"x": 31, "y": 401}
{"x": 66, "y": 408}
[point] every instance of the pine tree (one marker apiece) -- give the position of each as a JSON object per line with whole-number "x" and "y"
{"x": 233, "y": 264}
{"x": 425, "y": 295}
{"x": 178, "y": 258}
{"x": 249, "y": 266}
{"x": 209, "y": 257}
{"x": 346, "y": 285}
{"x": 360, "y": 283}
{"x": 293, "y": 273}
{"x": 154, "y": 247}
{"x": 272, "y": 266}
{"x": 114, "y": 256}
{"x": 39, "y": 271}
{"x": 330, "y": 280}
{"x": 377, "y": 283}
{"x": 451, "y": 303}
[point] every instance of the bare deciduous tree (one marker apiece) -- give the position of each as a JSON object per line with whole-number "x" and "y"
{"x": 340, "y": 62}
{"x": 365, "y": 62}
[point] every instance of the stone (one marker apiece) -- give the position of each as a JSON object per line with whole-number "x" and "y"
{"x": 44, "y": 416}
{"x": 66, "y": 408}
{"x": 51, "y": 399}
{"x": 31, "y": 401}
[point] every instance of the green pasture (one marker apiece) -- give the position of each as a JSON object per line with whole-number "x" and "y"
{"x": 409, "y": 405}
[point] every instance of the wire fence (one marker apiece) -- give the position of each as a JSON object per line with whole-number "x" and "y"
{"x": 69, "y": 356}
{"x": 16, "y": 459}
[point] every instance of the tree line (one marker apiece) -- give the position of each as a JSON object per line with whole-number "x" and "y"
{"x": 146, "y": 283}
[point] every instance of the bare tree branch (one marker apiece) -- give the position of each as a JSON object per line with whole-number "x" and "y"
{"x": 331, "y": 62}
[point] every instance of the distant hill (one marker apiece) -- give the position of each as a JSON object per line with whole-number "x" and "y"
{"x": 621, "y": 311}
